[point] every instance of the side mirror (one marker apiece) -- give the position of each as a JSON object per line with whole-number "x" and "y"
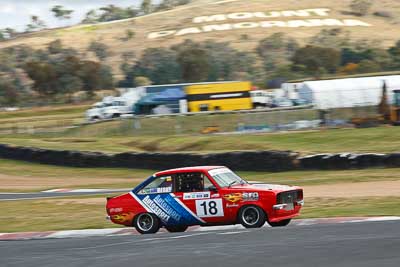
{"x": 212, "y": 188}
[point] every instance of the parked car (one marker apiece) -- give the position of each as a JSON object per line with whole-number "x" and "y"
{"x": 208, "y": 195}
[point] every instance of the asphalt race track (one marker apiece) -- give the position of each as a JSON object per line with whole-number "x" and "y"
{"x": 366, "y": 244}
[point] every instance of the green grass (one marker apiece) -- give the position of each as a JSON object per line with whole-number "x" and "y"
{"x": 30, "y": 120}
{"x": 44, "y": 111}
{"x": 378, "y": 140}
{"x": 67, "y": 213}
{"x": 36, "y": 177}
{"x": 349, "y": 207}
{"x": 53, "y": 214}
{"x": 43, "y": 176}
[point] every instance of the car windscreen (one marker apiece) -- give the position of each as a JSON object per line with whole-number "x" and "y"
{"x": 225, "y": 177}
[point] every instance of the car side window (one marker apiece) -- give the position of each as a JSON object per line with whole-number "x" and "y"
{"x": 162, "y": 184}
{"x": 189, "y": 182}
{"x": 207, "y": 183}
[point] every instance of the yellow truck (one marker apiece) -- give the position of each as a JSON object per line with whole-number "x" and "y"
{"x": 224, "y": 96}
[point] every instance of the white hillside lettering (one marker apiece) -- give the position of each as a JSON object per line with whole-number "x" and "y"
{"x": 311, "y": 21}
{"x": 261, "y": 24}
{"x": 271, "y": 14}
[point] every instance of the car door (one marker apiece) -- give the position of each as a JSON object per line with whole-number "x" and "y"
{"x": 193, "y": 190}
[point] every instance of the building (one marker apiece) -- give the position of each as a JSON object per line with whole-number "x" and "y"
{"x": 345, "y": 93}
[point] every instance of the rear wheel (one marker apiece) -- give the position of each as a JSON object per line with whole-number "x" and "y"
{"x": 176, "y": 228}
{"x": 280, "y": 223}
{"x": 252, "y": 217}
{"x": 147, "y": 223}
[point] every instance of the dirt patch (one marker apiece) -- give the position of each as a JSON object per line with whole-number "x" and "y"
{"x": 80, "y": 201}
{"x": 350, "y": 190}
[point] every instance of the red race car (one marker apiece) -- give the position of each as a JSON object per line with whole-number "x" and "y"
{"x": 209, "y": 195}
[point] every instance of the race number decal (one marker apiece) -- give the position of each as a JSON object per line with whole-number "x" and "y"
{"x": 209, "y": 208}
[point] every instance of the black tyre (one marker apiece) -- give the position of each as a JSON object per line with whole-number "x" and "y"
{"x": 176, "y": 228}
{"x": 280, "y": 223}
{"x": 147, "y": 223}
{"x": 252, "y": 217}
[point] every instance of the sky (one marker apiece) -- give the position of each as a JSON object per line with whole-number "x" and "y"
{"x": 16, "y": 13}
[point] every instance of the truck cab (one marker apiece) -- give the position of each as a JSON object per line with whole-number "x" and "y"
{"x": 260, "y": 99}
{"x": 95, "y": 112}
{"x": 118, "y": 107}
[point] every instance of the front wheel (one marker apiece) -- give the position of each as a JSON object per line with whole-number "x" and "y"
{"x": 176, "y": 228}
{"x": 252, "y": 217}
{"x": 280, "y": 223}
{"x": 147, "y": 223}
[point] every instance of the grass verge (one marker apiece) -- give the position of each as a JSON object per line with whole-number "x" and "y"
{"x": 378, "y": 140}
{"x": 19, "y": 176}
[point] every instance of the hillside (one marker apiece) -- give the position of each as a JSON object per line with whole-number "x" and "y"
{"x": 243, "y": 23}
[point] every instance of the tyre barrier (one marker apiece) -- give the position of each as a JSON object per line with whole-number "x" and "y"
{"x": 343, "y": 161}
{"x": 272, "y": 161}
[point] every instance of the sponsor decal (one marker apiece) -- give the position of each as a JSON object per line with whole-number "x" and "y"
{"x": 112, "y": 210}
{"x": 253, "y": 196}
{"x": 169, "y": 209}
{"x": 232, "y": 205}
{"x": 233, "y": 197}
{"x": 196, "y": 195}
{"x": 215, "y": 195}
{"x": 122, "y": 217}
{"x": 164, "y": 190}
{"x": 248, "y": 20}
{"x": 209, "y": 208}
{"x": 236, "y": 197}
{"x": 158, "y": 190}
{"x": 156, "y": 209}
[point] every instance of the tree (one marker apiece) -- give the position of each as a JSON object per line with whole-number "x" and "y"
{"x": 127, "y": 62}
{"x": 317, "y": 59}
{"x": 112, "y": 12}
{"x": 36, "y": 24}
{"x": 94, "y": 77}
{"x": 44, "y": 77}
{"x": 8, "y": 92}
{"x": 69, "y": 84}
{"x": 91, "y": 17}
{"x": 99, "y": 49}
{"x": 10, "y": 32}
{"x": 142, "y": 81}
{"x": 384, "y": 107}
{"x": 360, "y": 7}
{"x": 2, "y": 37}
{"x": 146, "y": 7}
{"x": 55, "y": 47}
{"x": 157, "y": 64}
{"x": 61, "y": 13}
{"x": 276, "y": 49}
{"x": 368, "y": 66}
{"x": 166, "y": 4}
{"x": 334, "y": 38}
{"x": 194, "y": 64}
{"x": 129, "y": 34}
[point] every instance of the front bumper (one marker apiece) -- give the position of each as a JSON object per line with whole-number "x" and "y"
{"x": 283, "y": 206}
